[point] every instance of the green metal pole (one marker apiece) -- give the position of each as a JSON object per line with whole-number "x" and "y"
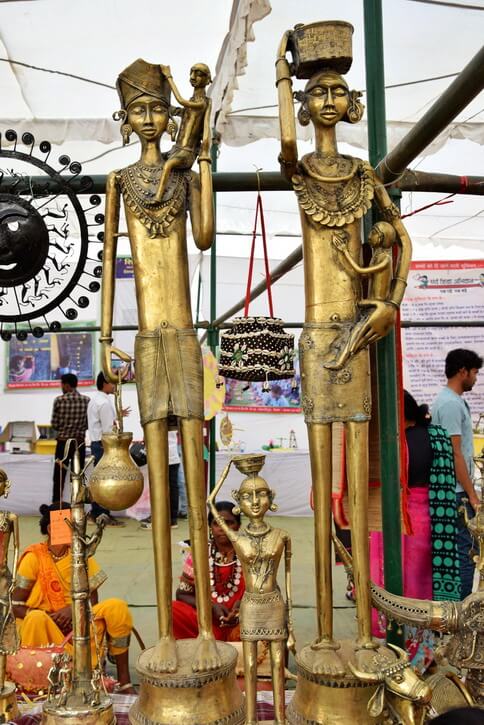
{"x": 386, "y": 355}
{"x": 212, "y": 331}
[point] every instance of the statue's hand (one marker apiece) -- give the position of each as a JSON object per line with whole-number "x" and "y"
{"x": 340, "y": 240}
{"x": 107, "y": 351}
{"x": 165, "y": 70}
{"x": 291, "y": 642}
{"x": 379, "y": 322}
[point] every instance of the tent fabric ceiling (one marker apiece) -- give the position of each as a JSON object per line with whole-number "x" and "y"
{"x": 94, "y": 40}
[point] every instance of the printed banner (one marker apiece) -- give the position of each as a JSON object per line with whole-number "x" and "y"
{"x": 283, "y": 396}
{"x": 41, "y": 362}
{"x": 441, "y": 291}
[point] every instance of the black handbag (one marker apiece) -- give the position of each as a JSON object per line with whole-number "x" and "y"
{"x": 257, "y": 348}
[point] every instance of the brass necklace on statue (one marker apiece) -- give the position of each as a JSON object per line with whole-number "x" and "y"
{"x": 139, "y": 184}
{"x": 334, "y": 201}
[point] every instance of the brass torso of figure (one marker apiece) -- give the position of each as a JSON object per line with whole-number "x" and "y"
{"x": 264, "y": 616}
{"x": 334, "y": 192}
{"x": 169, "y": 375}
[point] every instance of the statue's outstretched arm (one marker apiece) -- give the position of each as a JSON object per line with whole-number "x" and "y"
{"x": 392, "y": 215}
{"x": 16, "y": 546}
{"x": 378, "y": 267}
{"x": 231, "y": 535}
{"x": 287, "y": 122}
{"x": 111, "y": 226}
{"x": 291, "y": 640}
{"x": 201, "y": 206}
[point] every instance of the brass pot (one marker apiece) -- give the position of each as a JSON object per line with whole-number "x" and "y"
{"x": 116, "y": 482}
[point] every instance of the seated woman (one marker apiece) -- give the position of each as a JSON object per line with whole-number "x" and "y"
{"x": 226, "y": 580}
{"x": 42, "y": 601}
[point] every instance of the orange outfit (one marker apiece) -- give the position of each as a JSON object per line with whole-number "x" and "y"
{"x": 50, "y": 590}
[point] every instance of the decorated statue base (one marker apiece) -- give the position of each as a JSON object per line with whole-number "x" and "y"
{"x": 186, "y": 697}
{"x": 102, "y": 714}
{"x": 8, "y": 702}
{"x": 324, "y": 700}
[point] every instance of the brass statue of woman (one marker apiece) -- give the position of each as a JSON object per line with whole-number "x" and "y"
{"x": 9, "y": 641}
{"x": 168, "y": 360}
{"x": 263, "y": 614}
{"x": 334, "y": 192}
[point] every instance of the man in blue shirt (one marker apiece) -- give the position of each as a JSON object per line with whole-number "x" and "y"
{"x": 451, "y": 411}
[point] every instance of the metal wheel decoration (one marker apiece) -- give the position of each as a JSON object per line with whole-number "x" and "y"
{"x": 50, "y": 246}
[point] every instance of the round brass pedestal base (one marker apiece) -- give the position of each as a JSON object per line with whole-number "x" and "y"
{"x": 101, "y": 714}
{"x": 324, "y": 700}
{"x": 186, "y": 697}
{"x": 8, "y": 702}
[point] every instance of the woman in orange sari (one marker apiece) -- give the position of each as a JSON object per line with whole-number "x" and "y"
{"x": 42, "y": 601}
{"x": 226, "y": 583}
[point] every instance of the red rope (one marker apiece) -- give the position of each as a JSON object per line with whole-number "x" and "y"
{"x": 464, "y": 188}
{"x": 258, "y": 208}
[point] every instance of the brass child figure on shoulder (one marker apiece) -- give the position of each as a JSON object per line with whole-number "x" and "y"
{"x": 334, "y": 192}
{"x": 259, "y": 548}
{"x": 168, "y": 360}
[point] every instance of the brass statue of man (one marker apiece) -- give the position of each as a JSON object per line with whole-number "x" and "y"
{"x": 334, "y": 192}
{"x": 168, "y": 360}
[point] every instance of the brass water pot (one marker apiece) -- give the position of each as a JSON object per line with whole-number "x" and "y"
{"x": 116, "y": 482}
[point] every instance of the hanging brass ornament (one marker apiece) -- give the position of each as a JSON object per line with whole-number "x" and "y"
{"x": 116, "y": 482}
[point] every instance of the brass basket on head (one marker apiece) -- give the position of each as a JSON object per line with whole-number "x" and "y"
{"x": 321, "y": 45}
{"x": 249, "y": 463}
{"x": 116, "y": 482}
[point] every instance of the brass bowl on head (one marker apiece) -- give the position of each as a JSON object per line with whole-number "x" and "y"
{"x": 116, "y": 482}
{"x": 325, "y": 44}
{"x": 248, "y": 463}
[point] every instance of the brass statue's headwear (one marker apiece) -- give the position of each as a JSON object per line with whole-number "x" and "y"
{"x": 139, "y": 79}
{"x": 326, "y": 44}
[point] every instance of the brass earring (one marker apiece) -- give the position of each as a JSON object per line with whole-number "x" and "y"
{"x": 236, "y": 511}
{"x": 303, "y": 116}
{"x": 355, "y": 108}
{"x": 126, "y": 131}
{"x": 273, "y": 507}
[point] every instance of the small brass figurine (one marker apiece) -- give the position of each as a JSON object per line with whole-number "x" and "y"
{"x": 334, "y": 192}
{"x": 9, "y": 642}
{"x": 263, "y": 613}
{"x": 195, "y": 123}
{"x": 53, "y": 677}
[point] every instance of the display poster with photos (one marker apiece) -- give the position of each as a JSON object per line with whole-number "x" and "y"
{"x": 442, "y": 291}
{"x": 41, "y": 362}
{"x": 283, "y": 396}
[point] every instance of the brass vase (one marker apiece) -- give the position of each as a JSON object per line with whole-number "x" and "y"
{"x": 116, "y": 482}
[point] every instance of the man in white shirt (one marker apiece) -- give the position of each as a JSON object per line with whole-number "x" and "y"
{"x": 101, "y": 417}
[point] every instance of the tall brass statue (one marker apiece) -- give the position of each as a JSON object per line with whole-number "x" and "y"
{"x": 9, "y": 642}
{"x": 169, "y": 381}
{"x": 168, "y": 360}
{"x": 263, "y": 613}
{"x": 334, "y": 192}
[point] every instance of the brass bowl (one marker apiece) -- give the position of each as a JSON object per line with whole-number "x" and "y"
{"x": 248, "y": 463}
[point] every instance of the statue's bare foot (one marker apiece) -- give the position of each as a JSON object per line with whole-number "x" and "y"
{"x": 372, "y": 659}
{"x": 207, "y": 656}
{"x": 327, "y": 661}
{"x": 163, "y": 658}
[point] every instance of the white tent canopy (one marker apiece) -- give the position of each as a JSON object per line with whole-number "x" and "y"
{"x": 95, "y": 40}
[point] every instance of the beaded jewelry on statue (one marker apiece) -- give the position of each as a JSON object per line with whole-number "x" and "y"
{"x": 222, "y": 591}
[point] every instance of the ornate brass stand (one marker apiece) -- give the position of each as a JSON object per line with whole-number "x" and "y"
{"x": 80, "y": 700}
{"x": 205, "y": 698}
